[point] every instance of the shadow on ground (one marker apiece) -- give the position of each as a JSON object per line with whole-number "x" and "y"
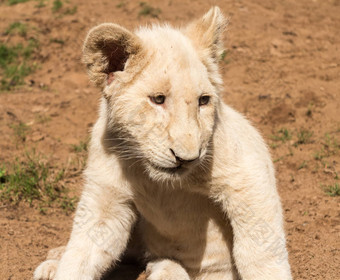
{"x": 125, "y": 272}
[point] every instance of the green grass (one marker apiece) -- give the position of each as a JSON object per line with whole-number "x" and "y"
{"x": 42, "y": 119}
{"x": 304, "y": 137}
{"x": 57, "y": 41}
{"x": 224, "y": 56}
{"x": 41, "y": 4}
{"x": 309, "y": 112}
{"x": 282, "y": 135}
{"x": 302, "y": 165}
{"x": 332, "y": 190}
{"x": 71, "y": 11}
{"x": 14, "y": 2}
{"x": 15, "y": 63}
{"x": 17, "y": 28}
{"x": 81, "y": 147}
{"x": 330, "y": 147}
{"x": 57, "y": 5}
{"x": 147, "y": 10}
{"x": 20, "y": 131}
{"x": 331, "y": 142}
{"x": 278, "y": 159}
{"x": 319, "y": 155}
{"x": 273, "y": 145}
{"x": 34, "y": 181}
{"x": 121, "y": 4}
{"x": 7, "y": 54}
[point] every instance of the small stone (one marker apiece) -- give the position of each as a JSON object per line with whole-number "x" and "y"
{"x": 36, "y": 136}
{"x": 38, "y": 109}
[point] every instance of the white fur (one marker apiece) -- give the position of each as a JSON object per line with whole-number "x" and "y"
{"x": 221, "y": 218}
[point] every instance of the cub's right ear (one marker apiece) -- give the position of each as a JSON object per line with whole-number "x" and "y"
{"x": 106, "y": 50}
{"x": 206, "y": 33}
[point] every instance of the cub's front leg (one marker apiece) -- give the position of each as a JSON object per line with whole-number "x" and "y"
{"x": 101, "y": 229}
{"x": 253, "y": 207}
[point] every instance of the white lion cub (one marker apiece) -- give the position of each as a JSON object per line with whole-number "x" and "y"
{"x": 170, "y": 162}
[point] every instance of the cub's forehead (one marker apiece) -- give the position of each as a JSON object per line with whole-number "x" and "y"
{"x": 173, "y": 63}
{"x": 169, "y": 47}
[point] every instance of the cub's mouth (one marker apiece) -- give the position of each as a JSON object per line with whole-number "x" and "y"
{"x": 180, "y": 169}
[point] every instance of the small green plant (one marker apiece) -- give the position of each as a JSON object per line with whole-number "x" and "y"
{"x": 224, "y": 56}
{"x": 304, "y": 137}
{"x": 68, "y": 203}
{"x": 282, "y": 135}
{"x": 273, "y": 145}
{"x": 20, "y": 131}
{"x": 7, "y": 54}
{"x": 14, "y": 2}
{"x": 302, "y": 165}
{"x": 331, "y": 142}
{"x": 42, "y": 119}
{"x": 32, "y": 180}
{"x": 291, "y": 152}
{"x": 57, "y": 5}
{"x": 17, "y": 27}
{"x": 57, "y": 41}
{"x": 16, "y": 73}
{"x": 326, "y": 164}
{"x": 81, "y": 147}
{"x": 330, "y": 147}
{"x": 309, "y": 112}
{"x": 319, "y": 155}
{"x": 2, "y": 174}
{"x": 332, "y": 190}
{"x": 71, "y": 11}
{"x": 15, "y": 64}
{"x": 278, "y": 159}
{"x": 121, "y": 4}
{"x": 41, "y": 4}
{"x": 147, "y": 10}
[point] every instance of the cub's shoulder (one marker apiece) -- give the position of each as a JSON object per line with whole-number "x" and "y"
{"x": 237, "y": 138}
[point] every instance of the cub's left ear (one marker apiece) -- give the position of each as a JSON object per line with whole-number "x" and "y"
{"x": 207, "y": 33}
{"x": 107, "y": 49}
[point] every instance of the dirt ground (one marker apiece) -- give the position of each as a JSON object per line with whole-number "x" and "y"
{"x": 281, "y": 69}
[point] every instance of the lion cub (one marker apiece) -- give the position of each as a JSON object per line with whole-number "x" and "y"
{"x": 170, "y": 162}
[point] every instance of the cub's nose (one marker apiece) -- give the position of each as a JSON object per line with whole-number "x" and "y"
{"x": 182, "y": 160}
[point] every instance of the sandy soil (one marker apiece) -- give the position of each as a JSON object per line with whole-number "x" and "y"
{"x": 281, "y": 70}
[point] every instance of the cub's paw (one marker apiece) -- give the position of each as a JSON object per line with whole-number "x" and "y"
{"x": 165, "y": 270}
{"x": 56, "y": 253}
{"x": 46, "y": 270}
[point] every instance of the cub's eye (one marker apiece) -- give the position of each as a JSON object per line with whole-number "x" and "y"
{"x": 204, "y": 100}
{"x": 158, "y": 99}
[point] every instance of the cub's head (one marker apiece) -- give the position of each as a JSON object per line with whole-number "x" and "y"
{"x": 161, "y": 87}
